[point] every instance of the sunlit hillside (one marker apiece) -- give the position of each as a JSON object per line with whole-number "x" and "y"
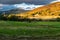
{"x": 46, "y": 12}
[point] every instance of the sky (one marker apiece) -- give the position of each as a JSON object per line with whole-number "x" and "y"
{"x": 24, "y": 4}
{"x": 36, "y": 2}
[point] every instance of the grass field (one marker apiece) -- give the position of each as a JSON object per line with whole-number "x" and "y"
{"x": 35, "y": 29}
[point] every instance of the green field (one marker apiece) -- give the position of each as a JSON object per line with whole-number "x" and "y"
{"x": 29, "y": 29}
{"x": 18, "y": 29}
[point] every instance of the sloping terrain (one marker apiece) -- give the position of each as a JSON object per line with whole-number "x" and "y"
{"x": 46, "y": 12}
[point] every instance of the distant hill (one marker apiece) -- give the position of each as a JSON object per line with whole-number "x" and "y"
{"x": 14, "y": 11}
{"x": 46, "y": 12}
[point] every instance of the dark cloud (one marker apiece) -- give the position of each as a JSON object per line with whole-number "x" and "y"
{"x": 26, "y": 1}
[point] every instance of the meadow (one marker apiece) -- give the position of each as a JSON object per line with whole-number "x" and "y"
{"x": 29, "y": 29}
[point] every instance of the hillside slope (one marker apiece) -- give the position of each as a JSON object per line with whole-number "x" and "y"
{"x": 46, "y": 12}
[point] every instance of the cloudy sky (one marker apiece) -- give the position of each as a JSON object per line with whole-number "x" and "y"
{"x": 24, "y": 4}
{"x": 38, "y": 2}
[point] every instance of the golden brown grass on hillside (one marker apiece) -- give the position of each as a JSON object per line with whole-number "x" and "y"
{"x": 45, "y": 12}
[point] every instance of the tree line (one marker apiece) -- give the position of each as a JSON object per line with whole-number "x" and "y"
{"x": 18, "y": 18}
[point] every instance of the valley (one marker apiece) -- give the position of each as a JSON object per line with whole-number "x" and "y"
{"x": 42, "y": 23}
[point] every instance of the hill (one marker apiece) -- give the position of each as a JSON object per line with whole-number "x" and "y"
{"x": 46, "y": 12}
